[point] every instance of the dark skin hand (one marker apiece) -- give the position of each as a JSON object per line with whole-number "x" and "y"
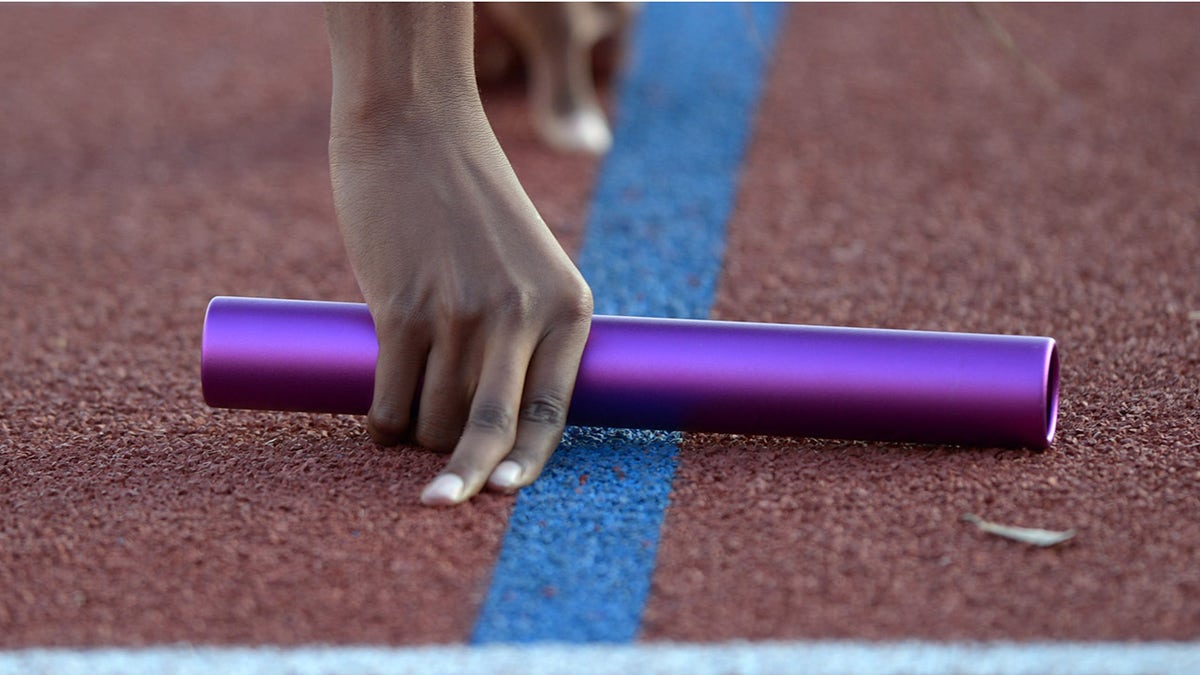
{"x": 468, "y": 288}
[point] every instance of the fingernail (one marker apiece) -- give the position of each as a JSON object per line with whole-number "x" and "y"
{"x": 505, "y": 475}
{"x": 444, "y": 490}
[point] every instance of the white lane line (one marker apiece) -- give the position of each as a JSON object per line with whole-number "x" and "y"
{"x": 743, "y": 658}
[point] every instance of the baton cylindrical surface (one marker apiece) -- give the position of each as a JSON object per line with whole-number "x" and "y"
{"x": 675, "y": 374}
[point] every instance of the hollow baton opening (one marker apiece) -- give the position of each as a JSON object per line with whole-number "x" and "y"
{"x": 1052, "y": 394}
{"x": 205, "y": 370}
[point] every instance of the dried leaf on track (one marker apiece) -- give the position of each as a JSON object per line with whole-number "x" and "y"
{"x": 1194, "y": 316}
{"x": 1028, "y": 535}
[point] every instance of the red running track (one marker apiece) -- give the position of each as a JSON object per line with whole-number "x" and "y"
{"x": 906, "y": 172}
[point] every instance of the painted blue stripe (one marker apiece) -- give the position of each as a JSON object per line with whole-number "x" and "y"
{"x": 576, "y": 563}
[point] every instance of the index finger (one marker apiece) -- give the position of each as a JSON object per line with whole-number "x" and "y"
{"x": 545, "y": 402}
{"x": 490, "y": 429}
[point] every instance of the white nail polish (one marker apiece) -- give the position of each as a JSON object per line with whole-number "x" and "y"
{"x": 505, "y": 475}
{"x": 444, "y": 490}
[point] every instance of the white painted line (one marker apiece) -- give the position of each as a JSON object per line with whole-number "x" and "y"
{"x": 743, "y": 658}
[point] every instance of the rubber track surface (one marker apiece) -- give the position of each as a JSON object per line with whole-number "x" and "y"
{"x": 154, "y": 156}
{"x": 906, "y": 171}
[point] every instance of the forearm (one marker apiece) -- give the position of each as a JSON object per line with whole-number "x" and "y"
{"x": 400, "y": 63}
{"x": 480, "y": 316}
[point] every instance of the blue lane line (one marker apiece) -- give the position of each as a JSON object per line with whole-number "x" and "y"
{"x": 576, "y": 563}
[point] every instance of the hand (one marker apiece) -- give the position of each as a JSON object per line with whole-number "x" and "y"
{"x": 468, "y": 289}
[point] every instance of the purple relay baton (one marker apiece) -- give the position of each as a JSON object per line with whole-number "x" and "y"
{"x": 676, "y": 374}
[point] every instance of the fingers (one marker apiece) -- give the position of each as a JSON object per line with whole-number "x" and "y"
{"x": 445, "y": 395}
{"x": 543, "y": 412}
{"x": 516, "y": 419}
{"x": 557, "y": 41}
{"x": 489, "y": 430}
{"x": 402, "y": 355}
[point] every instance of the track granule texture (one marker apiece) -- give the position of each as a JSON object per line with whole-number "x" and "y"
{"x": 907, "y": 173}
{"x": 155, "y": 156}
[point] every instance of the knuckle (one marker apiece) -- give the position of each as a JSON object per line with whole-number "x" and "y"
{"x": 437, "y": 432}
{"x": 460, "y": 312}
{"x": 490, "y": 417}
{"x": 549, "y": 409}
{"x": 457, "y": 312}
{"x": 578, "y": 305}
{"x": 388, "y": 426}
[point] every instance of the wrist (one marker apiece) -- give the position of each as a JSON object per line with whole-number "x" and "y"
{"x": 400, "y": 65}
